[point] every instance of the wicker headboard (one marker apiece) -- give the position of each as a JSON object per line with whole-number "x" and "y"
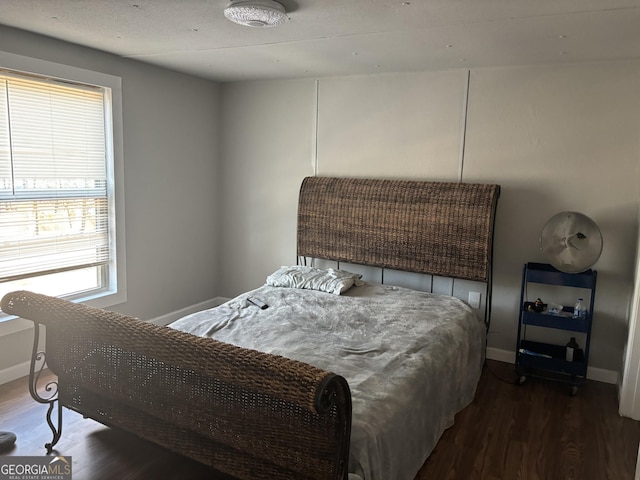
{"x": 437, "y": 228}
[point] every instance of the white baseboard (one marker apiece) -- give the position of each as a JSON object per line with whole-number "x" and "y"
{"x": 14, "y": 372}
{"x": 501, "y": 355}
{"x": 593, "y": 373}
{"x": 178, "y": 314}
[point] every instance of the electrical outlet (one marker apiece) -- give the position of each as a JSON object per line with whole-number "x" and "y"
{"x": 474, "y": 299}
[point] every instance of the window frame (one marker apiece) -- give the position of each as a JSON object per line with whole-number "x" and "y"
{"x": 116, "y": 291}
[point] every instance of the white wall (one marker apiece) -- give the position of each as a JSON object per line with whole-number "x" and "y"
{"x": 388, "y": 126}
{"x": 171, "y": 175}
{"x": 556, "y": 138}
{"x": 268, "y": 132}
{"x": 560, "y": 138}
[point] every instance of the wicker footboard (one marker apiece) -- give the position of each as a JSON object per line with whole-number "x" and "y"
{"x": 248, "y": 414}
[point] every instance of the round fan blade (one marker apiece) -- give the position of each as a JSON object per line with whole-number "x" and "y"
{"x": 571, "y": 241}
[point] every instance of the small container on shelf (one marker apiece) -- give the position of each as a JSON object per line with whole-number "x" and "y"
{"x": 580, "y": 309}
{"x": 572, "y": 350}
{"x": 538, "y": 305}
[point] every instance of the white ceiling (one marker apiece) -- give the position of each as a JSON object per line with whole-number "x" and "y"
{"x": 340, "y": 37}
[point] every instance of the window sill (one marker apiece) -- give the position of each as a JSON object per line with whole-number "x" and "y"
{"x": 10, "y": 324}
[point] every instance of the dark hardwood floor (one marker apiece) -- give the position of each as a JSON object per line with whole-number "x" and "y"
{"x": 535, "y": 431}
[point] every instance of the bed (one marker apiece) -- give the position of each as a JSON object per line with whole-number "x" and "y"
{"x": 313, "y": 386}
{"x": 412, "y": 359}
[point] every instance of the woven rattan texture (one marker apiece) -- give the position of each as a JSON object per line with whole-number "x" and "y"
{"x": 246, "y": 413}
{"x": 437, "y": 228}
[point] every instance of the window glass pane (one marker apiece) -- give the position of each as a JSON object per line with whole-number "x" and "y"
{"x": 54, "y": 205}
{"x": 49, "y": 235}
{"x": 58, "y": 284}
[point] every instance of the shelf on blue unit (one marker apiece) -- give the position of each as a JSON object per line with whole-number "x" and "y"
{"x": 547, "y": 274}
{"x": 557, "y": 363}
{"x": 562, "y": 322}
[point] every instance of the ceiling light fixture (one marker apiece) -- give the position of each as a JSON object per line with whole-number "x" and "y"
{"x": 256, "y": 13}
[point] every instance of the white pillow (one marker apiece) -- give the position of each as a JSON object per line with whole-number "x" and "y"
{"x": 311, "y": 278}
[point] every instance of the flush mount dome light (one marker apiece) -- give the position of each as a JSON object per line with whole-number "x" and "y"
{"x": 256, "y": 13}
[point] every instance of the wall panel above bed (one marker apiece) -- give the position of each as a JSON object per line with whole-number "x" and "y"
{"x": 438, "y": 228}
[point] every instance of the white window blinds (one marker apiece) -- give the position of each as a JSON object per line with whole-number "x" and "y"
{"x": 53, "y": 177}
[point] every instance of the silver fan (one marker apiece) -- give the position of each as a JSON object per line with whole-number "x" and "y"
{"x": 571, "y": 241}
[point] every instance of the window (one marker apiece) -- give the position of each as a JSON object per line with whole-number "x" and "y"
{"x": 57, "y": 204}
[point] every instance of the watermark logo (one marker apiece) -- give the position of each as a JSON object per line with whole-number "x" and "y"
{"x": 35, "y": 468}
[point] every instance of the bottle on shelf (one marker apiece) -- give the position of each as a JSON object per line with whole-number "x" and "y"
{"x": 572, "y": 350}
{"x": 580, "y": 309}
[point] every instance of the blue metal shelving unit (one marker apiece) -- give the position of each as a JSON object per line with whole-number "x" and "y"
{"x": 546, "y": 360}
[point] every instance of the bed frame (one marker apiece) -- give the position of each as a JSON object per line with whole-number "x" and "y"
{"x": 436, "y": 228}
{"x": 249, "y": 414}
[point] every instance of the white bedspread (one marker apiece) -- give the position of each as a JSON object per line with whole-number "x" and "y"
{"x": 412, "y": 360}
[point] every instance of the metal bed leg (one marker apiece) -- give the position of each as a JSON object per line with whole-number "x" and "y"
{"x": 38, "y": 362}
{"x": 56, "y": 430}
